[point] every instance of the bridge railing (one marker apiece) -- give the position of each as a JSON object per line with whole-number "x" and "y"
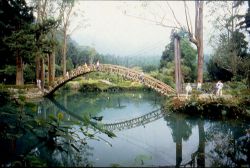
{"x": 143, "y": 78}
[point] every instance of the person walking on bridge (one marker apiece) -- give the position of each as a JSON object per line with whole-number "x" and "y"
{"x": 67, "y": 75}
{"x": 141, "y": 77}
{"x": 97, "y": 65}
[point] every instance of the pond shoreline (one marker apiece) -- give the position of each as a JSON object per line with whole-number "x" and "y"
{"x": 213, "y": 107}
{"x": 207, "y": 105}
{"x": 32, "y": 92}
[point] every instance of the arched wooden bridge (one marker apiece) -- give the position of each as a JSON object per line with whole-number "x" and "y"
{"x": 133, "y": 75}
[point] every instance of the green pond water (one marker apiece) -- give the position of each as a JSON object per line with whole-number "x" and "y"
{"x": 145, "y": 134}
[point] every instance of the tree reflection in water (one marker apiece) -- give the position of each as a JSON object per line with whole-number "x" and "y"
{"x": 76, "y": 151}
{"x": 181, "y": 130}
{"x": 231, "y": 146}
{"x": 227, "y": 145}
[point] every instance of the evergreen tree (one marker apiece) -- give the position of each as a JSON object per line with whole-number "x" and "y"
{"x": 14, "y": 17}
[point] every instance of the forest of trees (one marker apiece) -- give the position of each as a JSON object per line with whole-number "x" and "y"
{"x": 36, "y": 44}
{"x": 229, "y": 60}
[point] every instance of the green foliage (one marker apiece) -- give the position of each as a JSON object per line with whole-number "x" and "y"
{"x": 89, "y": 88}
{"x": 149, "y": 68}
{"x": 245, "y": 19}
{"x": 166, "y": 74}
{"x": 215, "y": 72}
{"x": 22, "y": 38}
{"x": 74, "y": 54}
{"x": 230, "y": 60}
{"x": 15, "y": 15}
{"x": 66, "y": 86}
{"x": 18, "y": 124}
{"x": 145, "y": 62}
{"x": 188, "y": 58}
{"x": 213, "y": 108}
{"x": 69, "y": 64}
{"x": 188, "y": 55}
{"x": 21, "y": 42}
{"x": 166, "y": 78}
{"x": 4, "y": 96}
{"x": 8, "y": 73}
{"x": 29, "y": 73}
{"x": 99, "y": 82}
{"x": 8, "y": 70}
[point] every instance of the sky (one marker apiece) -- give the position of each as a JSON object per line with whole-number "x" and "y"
{"x": 113, "y": 27}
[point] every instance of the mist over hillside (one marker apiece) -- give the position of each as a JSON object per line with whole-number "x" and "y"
{"x": 130, "y": 61}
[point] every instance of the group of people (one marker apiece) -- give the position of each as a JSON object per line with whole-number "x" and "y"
{"x": 218, "y": 88}
{"x": 97, "y": 65}
{"x": 86, "y": 67}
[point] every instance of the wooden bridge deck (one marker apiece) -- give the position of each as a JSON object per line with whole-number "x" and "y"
{"x": 133, "y": 75}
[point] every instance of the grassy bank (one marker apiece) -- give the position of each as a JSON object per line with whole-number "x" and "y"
{"x": 235, "y": 102}
{"x": 213, "y": 108}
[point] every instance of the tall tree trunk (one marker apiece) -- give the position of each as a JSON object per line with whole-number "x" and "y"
{"x": 37, "y": 68}
{"x": 201, "y": 148}
{"x": 66, "y": 12}
{"x": 200, "y": 64}
{"x": 53, "y": 62}
{"x": 42, "y": 73}
{"x": 199, "y": 37}
{"x": 178, "y": 144}
{"x": 248, "y": 79}
{"x": 64, "y": 52}
{"x": 50, "y": 68}
{"x": 177, "y": 65}
{"x": 37, "y": 58}
{"x": 53, "y": 59}
{"x": 19, "y": 70}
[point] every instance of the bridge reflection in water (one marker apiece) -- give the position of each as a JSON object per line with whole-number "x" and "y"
{"x": 182, "y": 127}
{"x": 146, "y": 119}
{"x": 135, "y": 122}
{"x": 118, "y": 126}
